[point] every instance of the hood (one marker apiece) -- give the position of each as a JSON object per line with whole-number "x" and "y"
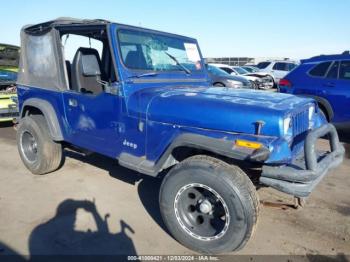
{"x": 223, "y": 109}
{"x": 215, "y": 78}
{"x": 257, "y": 74}
{"x": 251, "y": 77}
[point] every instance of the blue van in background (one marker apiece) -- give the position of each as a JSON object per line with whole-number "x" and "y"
{"x": 326, "y": 78}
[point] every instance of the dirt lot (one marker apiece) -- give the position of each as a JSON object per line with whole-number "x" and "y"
{"x": 92, "y": 205}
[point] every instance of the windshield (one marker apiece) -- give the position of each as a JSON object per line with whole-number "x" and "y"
{"x": 156, "y": 52}
{"x": 216, "y": 71}
{"x": 9, "y": 56}
{"x": 249, "y": 69}
{"x": 240, "y": 70}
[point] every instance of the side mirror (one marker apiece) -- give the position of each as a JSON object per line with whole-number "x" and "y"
{"x": 113, "y": 90}
{"x": 108, "y": 88}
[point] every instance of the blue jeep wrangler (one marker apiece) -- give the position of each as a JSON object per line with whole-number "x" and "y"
{"x": 145, "y": 100}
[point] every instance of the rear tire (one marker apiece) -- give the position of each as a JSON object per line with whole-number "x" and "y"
{"x": 272, "y": 80}
{"x": 39, "y": 153}
{"x": 208, "y": 205}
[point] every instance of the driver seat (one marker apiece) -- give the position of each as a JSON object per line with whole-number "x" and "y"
{"x": 86, "y": 59}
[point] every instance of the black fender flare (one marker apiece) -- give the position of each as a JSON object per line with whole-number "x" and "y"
{"x": 49, "y": 113}
{"x": 215, "y": 145}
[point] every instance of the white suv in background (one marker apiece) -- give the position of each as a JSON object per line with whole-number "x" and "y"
{"x": 275, "y": 69}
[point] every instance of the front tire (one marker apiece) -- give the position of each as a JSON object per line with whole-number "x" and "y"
{"x": 208, "y": 205}
{"x": 272, "y": 81}
{"x": 39, "y": 153}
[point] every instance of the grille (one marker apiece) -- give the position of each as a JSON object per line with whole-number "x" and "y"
{"x": 8, "y": 115}
{"x": 300, "y": 122}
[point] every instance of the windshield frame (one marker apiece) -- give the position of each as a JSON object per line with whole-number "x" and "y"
{"x": 164, "y": 34}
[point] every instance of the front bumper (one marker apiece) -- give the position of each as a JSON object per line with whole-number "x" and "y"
{"x": 301, "y": 177}
{"x": 7, "y": 114}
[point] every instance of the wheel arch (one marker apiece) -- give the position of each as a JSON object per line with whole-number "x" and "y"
{"x": 324, "y": 105}
{"x": 217, "y": 83}
{"x": 198, "y": 144}
{"x": 40, "y": 106}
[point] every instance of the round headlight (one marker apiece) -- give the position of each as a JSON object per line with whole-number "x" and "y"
{"x": 287, "y": 125}
{"x": 311, "y": 111}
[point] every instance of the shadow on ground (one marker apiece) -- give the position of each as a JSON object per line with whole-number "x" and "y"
{"x": 6, "y": 124}
{"x": 148, "y": 187}
{"x": 59, "y": 236}
{"x": 58, "y": 239}
{"x": 321, "y": 258}
{"x": 344, "y": 135}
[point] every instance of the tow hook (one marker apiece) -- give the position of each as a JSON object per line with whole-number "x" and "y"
{"x": 15, "y": 124}
{"x": 299, "y": 202}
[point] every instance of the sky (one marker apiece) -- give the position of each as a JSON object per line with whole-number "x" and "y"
{"x": 252, "y": 28}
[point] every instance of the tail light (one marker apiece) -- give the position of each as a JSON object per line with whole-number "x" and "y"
{"x": 285, "y": 82}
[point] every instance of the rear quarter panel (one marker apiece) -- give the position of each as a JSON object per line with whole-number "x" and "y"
{"x": 53, "y": 97}
{"x": 302, "y": 83}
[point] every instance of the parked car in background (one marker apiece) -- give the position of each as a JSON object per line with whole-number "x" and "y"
{"x": 275, "y": 70}
{"x": 257, "y": 82}
{"x": 325, "y": 78}
{"x": 220, "y": 78}
{"x": 265, "y": 81}
{"x": 250, "y": 69}
{"x": 8, "y": 75}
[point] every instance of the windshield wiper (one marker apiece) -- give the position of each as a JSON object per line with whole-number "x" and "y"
{"x": 144, "y": 75}
{"x": 178, "y": 63}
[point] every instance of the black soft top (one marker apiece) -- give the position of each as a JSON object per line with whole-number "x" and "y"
{"x": 43, "y": 28}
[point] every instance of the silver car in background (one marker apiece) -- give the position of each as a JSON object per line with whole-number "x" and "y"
{"x": 220, "y": 78}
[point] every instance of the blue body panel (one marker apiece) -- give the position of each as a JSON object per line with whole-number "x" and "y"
{"x": 149, "y": 113}
{"x": 335, "y": 91}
